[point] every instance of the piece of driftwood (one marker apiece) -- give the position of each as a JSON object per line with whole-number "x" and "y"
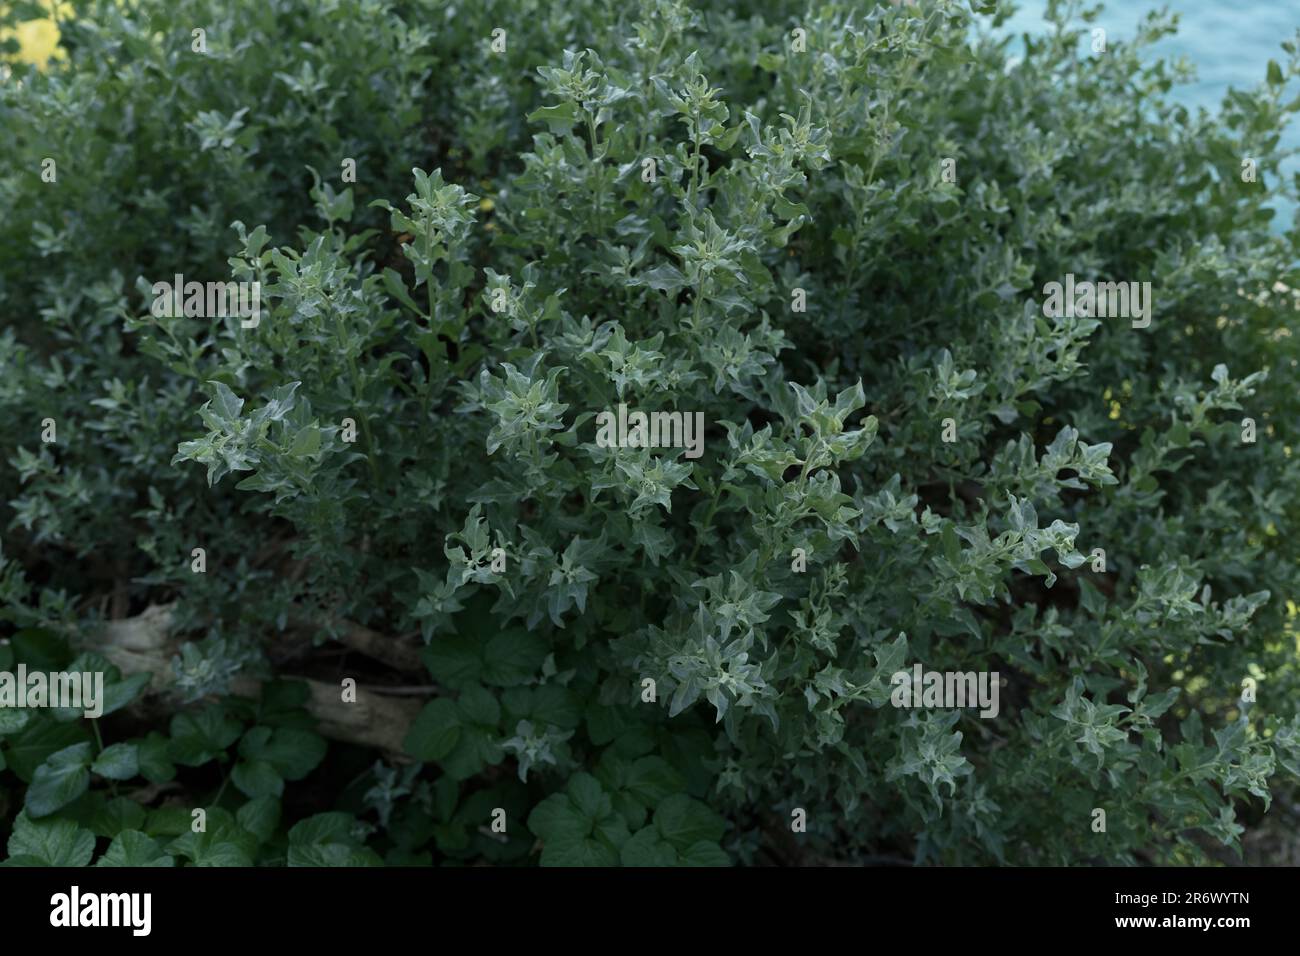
{"x": 396, "y": 653}
{"x": 144, "y": 644}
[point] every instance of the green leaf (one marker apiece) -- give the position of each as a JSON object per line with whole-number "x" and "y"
{"x": 559, "y": 118}
{"x": 50, "y": 842}
{"x": 478, "y": 705}
{"x": 588, "y": 797}
{"x": 397, "y": 289}
{"x": 34, "y": 744}
{"x": 684, "y": 821}
{"x": 224, "y": 843}
{"x": 168, "y": 821}
{"x": 226, "y": 405}
{"x": 332, "y": 827}
{"x": 113, "y": 816}
{"x": 120, "y": 693}
{"x": 333, "y": 855}
{"x": 118, "y": 762}
{"x": 705, "y": 853}
{"x": 62, "y": 778}
{"x": 291, "y": 751}
{"x": 260, "y": 816}
{"x": 556, "y": 818}
{"x": 200, "y": 737}
{"x": 475, "y": 749}
{"x": 434, "y": 732}
{"x": 154, "y": 763}
{"x": 583, "y": 852}
{"x": 652, "y": 780}
{"x": 513, "y": 657}
{"x": 646, "y": 848}
{"x": 257, "y": 778}
{"x": 454, "y": 660}
{"x": 306, "y": 442}
{"x": 328, "y": 839}
{"x": 133, "y": 848}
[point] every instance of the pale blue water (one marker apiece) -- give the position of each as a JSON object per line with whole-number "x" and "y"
{"x": 1229, "y": 42}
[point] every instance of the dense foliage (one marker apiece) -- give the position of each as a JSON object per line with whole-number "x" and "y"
{"x": 632, "y": 203}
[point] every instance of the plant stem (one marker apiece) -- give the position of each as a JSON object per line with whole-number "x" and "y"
{"x": 707, "y": 524}
{"x": 695, "y": 166}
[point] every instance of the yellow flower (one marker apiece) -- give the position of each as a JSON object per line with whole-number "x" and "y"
{"x": 38, "y": 40}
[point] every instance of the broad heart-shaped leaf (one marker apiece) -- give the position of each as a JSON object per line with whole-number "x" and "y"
{"x": 223, "y": 843}
{"x": 705, "y": 853}
{"x": 578, "y": 852}
{"x": 293, "y": 752}
{"x": 257, "y": 778}
{"x": 205, "y": 851}
{"x": 332, "y": 827}
{"x": 32, "y": 745}
{"x": 118, "y": 762}
{"x": 108, "y": 817}
{"x": 155, "y": 766}
{"x": 475, "y": 749}
{"x": 454, "y": 660}
{"x": 133, "y": 848}
{"x": 684, "y": 821}
{"x": 200, "y": 737}
{"x": 169, "y": 821}
{"x": 120, "y": 693}
{"x": 653, "y": 779}
{"x": 556, "y": 818}
{"x": 478, "y": 705}
{"x": 333, "y": 855}
{"x": 481, "y": 654}
{"x": 260, "y": 816}
{"x": 327, "y": 839}
{"x": 60, "y": 780}
{"x": 579, "y": 827}
{"x": 434, "y": 732}
{"x": 588, "y": 797}
{"x": 513, "y": 657}
{"x": 547, "y": 704}
{"x": 49, "y": 843}
{"x": 647, "y": 848}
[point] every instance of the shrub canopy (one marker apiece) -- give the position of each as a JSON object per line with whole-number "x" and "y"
{"x": 826, "y": 229}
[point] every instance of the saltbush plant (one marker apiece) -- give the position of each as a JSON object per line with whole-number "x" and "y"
{"x": 478, "y": 230}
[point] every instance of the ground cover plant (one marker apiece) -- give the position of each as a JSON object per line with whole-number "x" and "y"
{"x": 383, "y": 575}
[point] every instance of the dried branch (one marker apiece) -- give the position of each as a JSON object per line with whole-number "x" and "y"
{"x": 145, "y": 644}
